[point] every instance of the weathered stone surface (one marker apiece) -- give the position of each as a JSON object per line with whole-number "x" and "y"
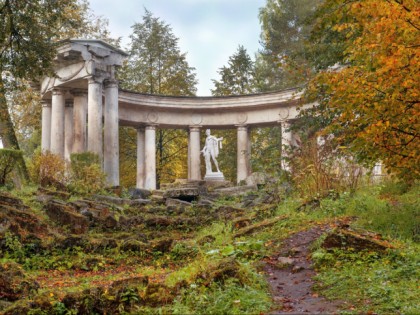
{"x": 347, "y": 238}
{"x": 177, "y": 203}
{"x": 237, "y": 190}
{"x": 55, "y": 193}
{"x": 16, "y": 218}
{"x": 284, "y": 262}
{"x": 139, "y": 193}
{"x": 257, "y": 178}
{"x": 7, "y": 200}
{"x": 113, "y": 200}
{"x": 66, "y": 215}
{"x": 186, "y": 194}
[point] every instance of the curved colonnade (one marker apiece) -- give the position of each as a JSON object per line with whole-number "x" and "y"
{"x": 83, "y": 109}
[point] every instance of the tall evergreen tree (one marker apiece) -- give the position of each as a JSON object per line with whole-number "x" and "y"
{"x": 156, "y": 66}
{"x": 238, "y": 77}
{"x": 285, "y": 57}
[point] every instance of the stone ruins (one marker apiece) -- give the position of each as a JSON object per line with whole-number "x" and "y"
{"x": 83, "y": 109}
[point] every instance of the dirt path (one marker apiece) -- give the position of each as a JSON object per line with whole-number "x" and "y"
{"x": 290, "y": 277}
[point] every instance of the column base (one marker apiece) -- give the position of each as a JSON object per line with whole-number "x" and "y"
{"x": 214, "y": 176}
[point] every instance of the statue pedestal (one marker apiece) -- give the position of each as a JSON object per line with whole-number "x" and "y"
{"x": 214, "y": 176}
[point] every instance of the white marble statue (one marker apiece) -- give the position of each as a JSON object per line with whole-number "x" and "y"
{"x": 211, "y": 151}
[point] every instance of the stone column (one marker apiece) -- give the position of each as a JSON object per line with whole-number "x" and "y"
{"x": 242, "y": 155}
{"x": 189, "y": 156}
{"x": 94, "y": 143}
{"x": 111, "y": 129}
{"x": 57, "y": 122}
{"x": 248, "y": 160}
{"x": 46, "y": 126}
{"x": 286, "y": 143}
{"x": 194, "y": 154}
{"x": 68, "y": 130}
{"x": 150, "y": 158}
{"x": 140, "y": 158}
{"x": 79, "y": 120}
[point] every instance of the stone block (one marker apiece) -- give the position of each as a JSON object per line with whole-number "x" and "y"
{"x": 65, "y": 215}
{"x": 139, "y": 193}
{"x": 186, "y": 194}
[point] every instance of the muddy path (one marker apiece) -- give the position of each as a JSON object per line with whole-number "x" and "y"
{"x": 290, "y": 274}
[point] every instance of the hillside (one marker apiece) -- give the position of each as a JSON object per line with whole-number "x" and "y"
{"x": 231, "y": 252}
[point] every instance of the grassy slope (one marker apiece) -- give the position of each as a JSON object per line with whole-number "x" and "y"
{"x": 369, "y": 282}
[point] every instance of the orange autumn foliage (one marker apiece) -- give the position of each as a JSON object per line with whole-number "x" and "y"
{"x": 373, "y": 101}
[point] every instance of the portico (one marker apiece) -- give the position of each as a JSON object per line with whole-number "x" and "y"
{"x": 83, "y": 109}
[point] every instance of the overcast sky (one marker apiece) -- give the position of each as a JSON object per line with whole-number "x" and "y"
{"x": 209, "y": 31}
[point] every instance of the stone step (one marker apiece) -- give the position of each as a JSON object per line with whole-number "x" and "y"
{"x": 158, "y": 192}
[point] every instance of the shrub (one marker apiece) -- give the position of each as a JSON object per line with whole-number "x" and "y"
{"x": 9, "y": 161}
{"x": 87, "y": 176}
{"x": 48, "y": 169}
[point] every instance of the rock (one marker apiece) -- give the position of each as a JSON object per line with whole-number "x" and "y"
{"x": 205, "y": 202}
{"x": 55, "y": 193}
{"x": 138, "y": 193}
{"x": 65, "y": 215}
{"x": 186, "y": 194}
{"x": 347, "y": 238}
{"x": 257, "y": 179}
{"x": 7, "y": 200}
{"x": 113, "y": 200}
{"x": 177, "y": 203}
{"x": 297, "y": 269}
{"x": 237, "y": 190}
{"x": 16, "y": 218}
{"x": 284, "y": 262}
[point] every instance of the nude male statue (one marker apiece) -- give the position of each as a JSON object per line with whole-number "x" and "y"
{"x": 211, "y": 151}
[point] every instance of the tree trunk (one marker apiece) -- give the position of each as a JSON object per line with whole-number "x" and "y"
{"x": 7, "y": 130}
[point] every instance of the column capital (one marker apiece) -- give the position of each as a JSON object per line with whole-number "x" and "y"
{"x": 94, "y": 79}
{"x": 110, "y": 83}
{"x": 150, "y": 127}
{"x": 58, "y": 91}
{"x": 46, "y": 103}
{"x": 242, "y": 127}
{"x": 79, "y": 92}
{"x": 140, "y": 127}
{"x": 194, "y": 128}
